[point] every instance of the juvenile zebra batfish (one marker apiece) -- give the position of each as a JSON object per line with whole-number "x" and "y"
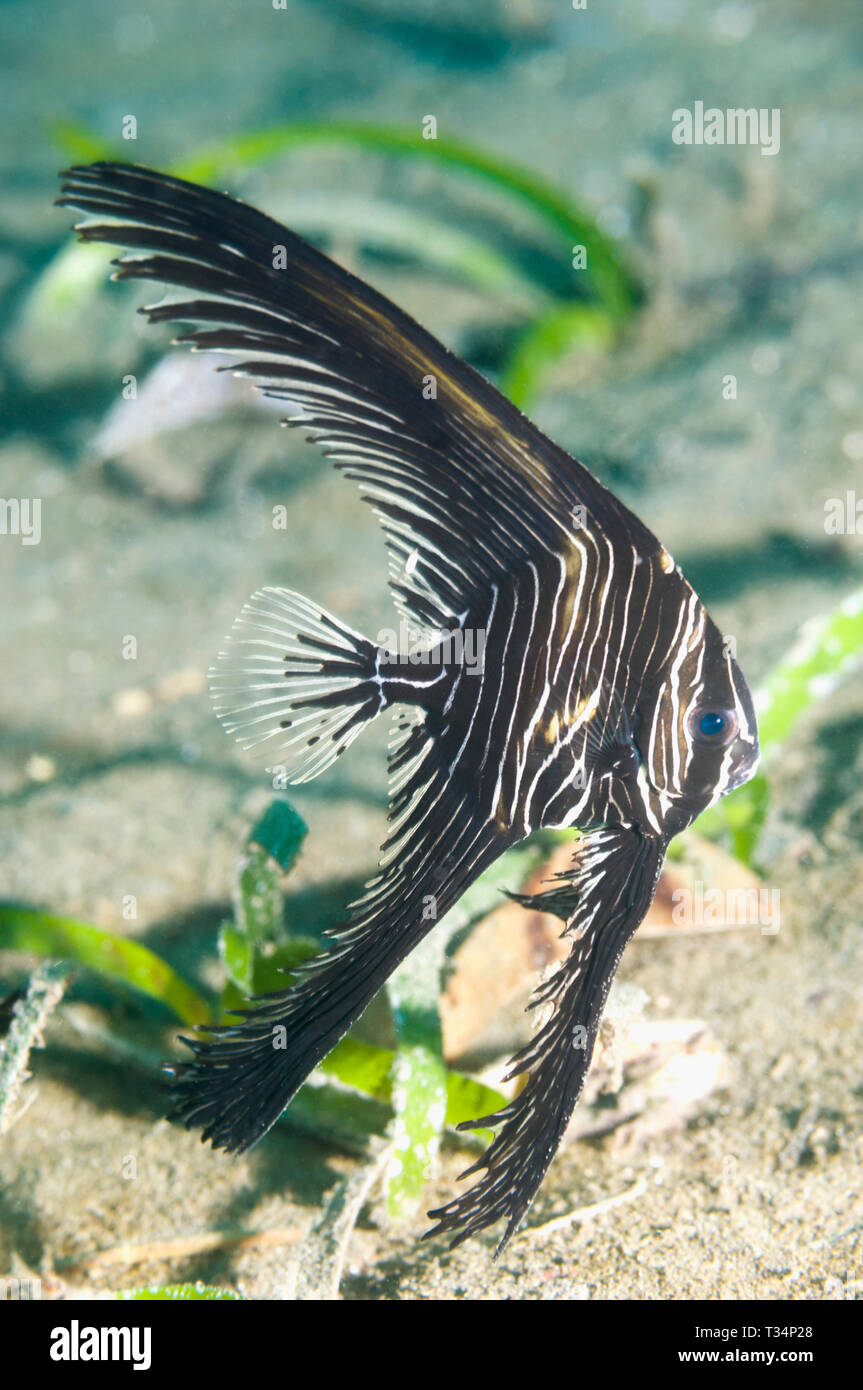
{"x": 605, "y": 698}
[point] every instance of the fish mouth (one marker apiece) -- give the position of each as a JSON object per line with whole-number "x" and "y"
{"x": 744, "y": 769}
{"x": 739, "y": 781}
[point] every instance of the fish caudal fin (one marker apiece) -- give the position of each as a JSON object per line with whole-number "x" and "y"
{"x": 295, "y": 681}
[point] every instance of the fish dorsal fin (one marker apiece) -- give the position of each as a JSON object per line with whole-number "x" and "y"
{"x": 465, "y": 487}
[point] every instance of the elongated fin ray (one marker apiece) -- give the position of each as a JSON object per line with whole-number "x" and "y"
{"x": 613, "y": 879}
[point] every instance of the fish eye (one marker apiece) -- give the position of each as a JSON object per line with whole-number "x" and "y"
{"x": 712, "y": 726}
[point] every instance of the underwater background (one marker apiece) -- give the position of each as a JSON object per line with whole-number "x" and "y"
{"x": 704, "y": 361}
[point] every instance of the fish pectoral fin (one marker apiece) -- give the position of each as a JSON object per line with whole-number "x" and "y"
{"x": 604, "y": 721}
{"x": 613, "y": 880}
{"x": 617, "y": 760}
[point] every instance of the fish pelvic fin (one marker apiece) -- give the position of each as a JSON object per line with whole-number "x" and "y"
{"x": 611, "y": 885}
{"x": 295, "y": 682}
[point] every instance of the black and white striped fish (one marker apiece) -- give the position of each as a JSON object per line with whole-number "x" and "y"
{"x": 599, "y": 694}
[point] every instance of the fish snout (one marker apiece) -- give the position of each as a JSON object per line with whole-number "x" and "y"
{"x": 744, "y": 763}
